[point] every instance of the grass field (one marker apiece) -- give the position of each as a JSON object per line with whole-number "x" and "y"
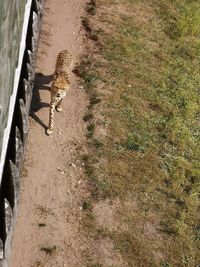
{"x": 143, "y": 81}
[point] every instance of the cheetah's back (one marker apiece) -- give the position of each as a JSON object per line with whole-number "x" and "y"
{"x": 64, "y": 62}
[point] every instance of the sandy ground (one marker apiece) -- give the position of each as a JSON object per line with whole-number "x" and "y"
{"x": 52, "y": 183}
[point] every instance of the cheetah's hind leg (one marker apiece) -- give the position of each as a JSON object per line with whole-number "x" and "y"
{"x": 58, "y": 106}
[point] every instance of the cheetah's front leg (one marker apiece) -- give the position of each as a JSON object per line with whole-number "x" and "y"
{"x": 51, "y": 115}
{"x": 58, "y": 106}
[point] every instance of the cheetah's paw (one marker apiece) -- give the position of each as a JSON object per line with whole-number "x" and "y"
{"x": 59, "y": 108}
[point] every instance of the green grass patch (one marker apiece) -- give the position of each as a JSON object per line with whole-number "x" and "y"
{"x": 150, "y": 102}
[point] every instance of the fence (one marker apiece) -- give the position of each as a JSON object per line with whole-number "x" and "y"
{"x": 19, "y": 32}
{"x": 11, "y": 19}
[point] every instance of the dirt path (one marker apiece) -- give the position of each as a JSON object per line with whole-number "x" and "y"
{"x": 46, "y": 233}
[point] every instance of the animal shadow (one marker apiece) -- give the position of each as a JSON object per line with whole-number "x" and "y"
{"x": 41, "y": 83}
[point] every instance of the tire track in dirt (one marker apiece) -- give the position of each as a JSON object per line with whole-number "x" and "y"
{"x": 47, "y": 229}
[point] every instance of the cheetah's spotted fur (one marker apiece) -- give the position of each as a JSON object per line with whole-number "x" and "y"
{"x": 60, "y": 85}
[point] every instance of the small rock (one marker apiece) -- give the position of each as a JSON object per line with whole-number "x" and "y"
{"x": 61, "y": 170}
{"x": 73, "y": 165}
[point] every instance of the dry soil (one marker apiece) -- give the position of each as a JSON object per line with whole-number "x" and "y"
{"x": 47, "y": 229}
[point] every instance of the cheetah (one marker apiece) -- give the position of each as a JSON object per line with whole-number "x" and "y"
{"x": 60, "y": 85}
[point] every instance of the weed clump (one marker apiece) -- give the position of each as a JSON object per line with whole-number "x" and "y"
{"x": 49, "y": 250}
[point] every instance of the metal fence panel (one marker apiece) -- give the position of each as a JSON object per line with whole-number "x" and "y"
{"x": 11, "y": 19}
{"x": 20, "y": 22}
